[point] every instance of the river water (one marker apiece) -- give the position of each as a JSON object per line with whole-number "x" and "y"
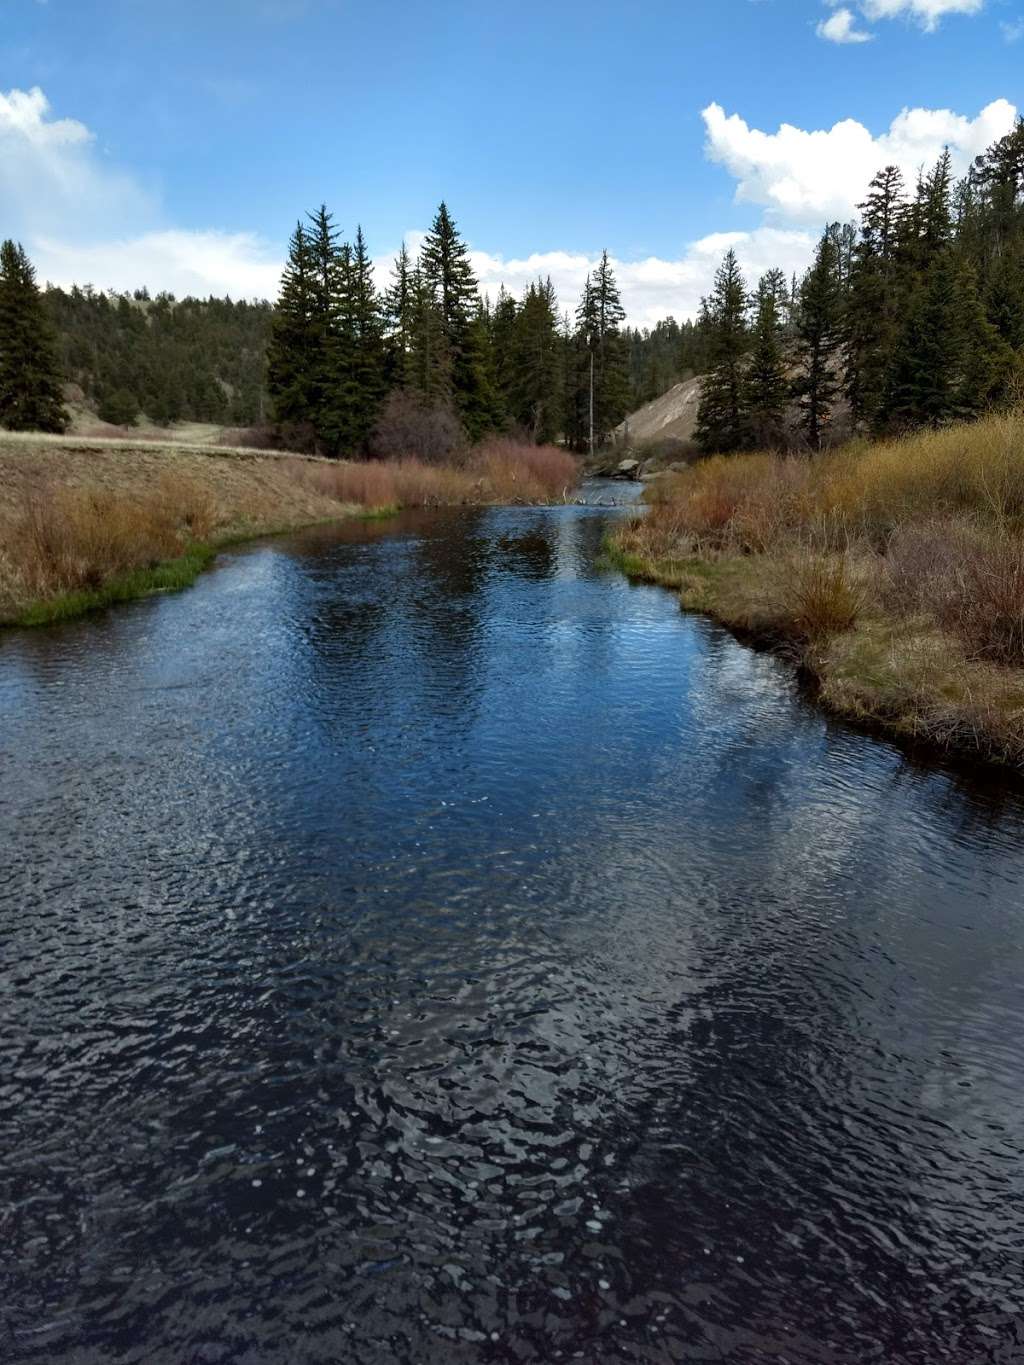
{"x": 419, "y": 945}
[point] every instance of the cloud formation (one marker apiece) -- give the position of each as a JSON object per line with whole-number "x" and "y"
{"x": 84, "y": 221}
{"x": 809, "y": 175}
{"x": 654, "y": 287}
{"x": 841, "y": 27}
{"x": 926, "y": 13}
{"x": 200, "y": 263}
{"x": 51, "y": 174}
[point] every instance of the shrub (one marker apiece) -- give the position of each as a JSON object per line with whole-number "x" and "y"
{"x": 120, "y": 408}
{"x": 820, "y": 594}
{"x": 500, "y": 470}
{"x": 667, "y": 450}
{"x": 250, "y": 438}
{"x": 516, "y": 471}
{"x": 409, "y": 427}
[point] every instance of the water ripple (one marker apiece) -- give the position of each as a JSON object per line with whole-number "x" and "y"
{"x": 421, "y": 946}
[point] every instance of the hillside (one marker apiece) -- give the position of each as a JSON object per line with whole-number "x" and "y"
{"x": 670, "y": 417}
{"x": 173, "y": 360}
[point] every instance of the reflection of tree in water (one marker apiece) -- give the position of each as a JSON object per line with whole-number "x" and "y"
{"x": 530, "y": 554}
{"x": 589, "y": 530}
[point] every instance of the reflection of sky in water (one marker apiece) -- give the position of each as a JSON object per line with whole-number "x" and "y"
{"x": 415, "y": 933}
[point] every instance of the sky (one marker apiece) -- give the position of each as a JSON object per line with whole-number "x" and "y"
{"x": 174, "y": 143}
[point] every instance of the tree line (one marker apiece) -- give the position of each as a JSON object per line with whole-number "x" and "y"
{"x": 913, "y": 317}
{"x": 354, "y": 370}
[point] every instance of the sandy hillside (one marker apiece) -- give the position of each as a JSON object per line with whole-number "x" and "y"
{"x": 674, "y": 415}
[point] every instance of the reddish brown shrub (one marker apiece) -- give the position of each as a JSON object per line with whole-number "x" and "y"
{"x": 410, "y": 428}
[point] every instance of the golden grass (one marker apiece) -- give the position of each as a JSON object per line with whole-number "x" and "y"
{"x": 896, "y": 570}
{"x": 497, "y": 471}
{"x": 92, "y": 521}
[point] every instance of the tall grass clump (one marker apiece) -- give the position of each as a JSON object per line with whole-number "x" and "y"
{"x": 67, "y": 541}
{"x": 820, "y": 594}
{"x": 899, "y": 564}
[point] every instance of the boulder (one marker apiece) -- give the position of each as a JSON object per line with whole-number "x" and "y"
{"x": 627, "y": 469}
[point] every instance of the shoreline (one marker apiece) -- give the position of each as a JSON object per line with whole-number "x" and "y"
{"x": 87, "y": 525}
{"x": 166, "y": 576}
{"x": 903, "y": 681}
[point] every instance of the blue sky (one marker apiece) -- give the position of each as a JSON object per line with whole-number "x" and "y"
{"x": 174, "y": 143}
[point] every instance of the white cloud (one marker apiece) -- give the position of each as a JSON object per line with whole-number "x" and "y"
{"x": 85, "y": 221}
{"x": 51, "y": 175}
{"x": 199, "y": 263}
{"x": 654, "y": 287}
{"x": 841, "y": 27}
{"x": 1013, "y": 31}
{"x": 812, "y": 175}
{"x": 927, "y": 13}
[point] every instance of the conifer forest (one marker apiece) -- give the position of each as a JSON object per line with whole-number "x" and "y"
{"x": 911, "y": 317}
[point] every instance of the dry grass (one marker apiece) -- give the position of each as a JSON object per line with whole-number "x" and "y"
{"x": 81, "y": 517}
{"x": 499, "y": 471}
{"x": 820, "y": 595}
{"x": 900, "y": 565}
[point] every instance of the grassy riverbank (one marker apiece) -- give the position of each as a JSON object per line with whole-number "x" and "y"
{"x": 892, "y": 573}
{"x": 87, "y": 523}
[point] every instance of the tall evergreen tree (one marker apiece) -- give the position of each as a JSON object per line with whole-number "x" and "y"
{"x": 767, "y": 388}
{"x": 503, "y": 346}
{"x": 293, "y": 356}
{"x": 602, "y": 369}
{"x": 399, "y": 313}
{"x": 535, "y": 394}
{"x": 333, "y": 399}
{"x": 365, "y": 326}
{"x": 30, "y": 392}
{"x": 722, "y": 423}
{"x": 430, "y": 362}
{"x": 819, "y": 341}
{"x": 874, "y": 304}
{"x": 950, "y": 358}
{"x": 449, "y": 279}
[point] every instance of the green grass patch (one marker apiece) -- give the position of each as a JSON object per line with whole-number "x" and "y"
{"x": 170, "y": 576}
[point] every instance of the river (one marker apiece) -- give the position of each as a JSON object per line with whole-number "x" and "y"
{"x": 420, "y": 945}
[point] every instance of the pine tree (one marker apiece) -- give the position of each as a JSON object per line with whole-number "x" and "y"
{"x": 366, "y": 333}
{"x": 479, "y": 402}
{"x": 874, "y": 298}
{"x": 503, "y": 346}
{"x": 819, "y": 341}
{"x": 30, "y": 391}
{"x": 767, "y": 388}
{"x": 602, "y": 362}
{"x": 923, "y": 371}
{"x": 722, "y": 419}
{"x": 950, "y": 358}
{"x": 399, "y": 312}
{"x": 449, "y": 279}
{"x": 333, "y": 398}
{"x": 430, "y": 367}
{"x": 611, "y": 395}
{"x": 535, "y": 391}
{"x": 293, "y": 357}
